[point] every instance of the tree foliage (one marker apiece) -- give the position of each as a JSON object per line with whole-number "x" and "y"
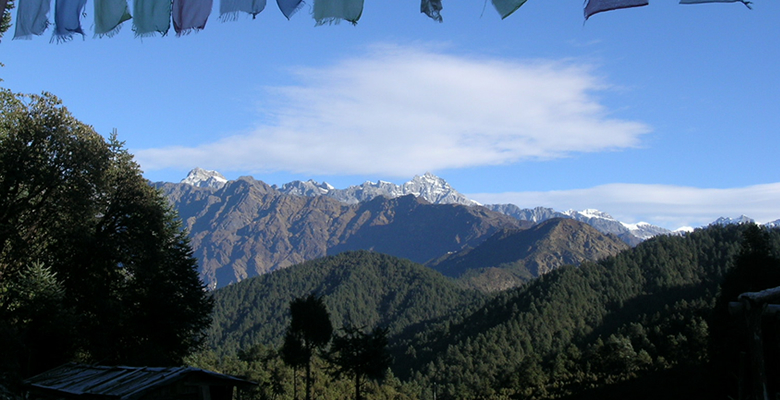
{"x": 362, "y": 288}
{"x": 94, "y": 264}
{"x": 310, "y": 331}
{"x": 5, "y": 19}
{"x": 617, "y": 328}
{"x": 360, "y": 355}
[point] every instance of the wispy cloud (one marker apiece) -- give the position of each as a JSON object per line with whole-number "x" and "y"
{"x": 396, "y": 111}
{"x": 665, "y": 205}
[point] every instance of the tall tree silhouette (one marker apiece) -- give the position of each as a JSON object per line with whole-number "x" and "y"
{"x": 310, "y": 330}
{"x": 361, "y": 355}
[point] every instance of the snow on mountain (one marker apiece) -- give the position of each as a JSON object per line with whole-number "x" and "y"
{"x": 205, "y": 178}
{"x": 536, "y": 214}
{"x": 589, "y": 213}
{"x": 437, "y": 191}
{"x": 603, "y": 222}
{"x": 773, "y": 224}
{"x": 683, "y": 230}
{"x": 723, "y": 221}
{"x": 429, "y": 187}
{"x": 309, "y": 188}
{"x": 645, "y": 230}
{"x": 743, "y": 219}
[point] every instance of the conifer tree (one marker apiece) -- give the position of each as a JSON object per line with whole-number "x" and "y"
{"x": 360, "y": 355}
{"x": 310, "y": 331}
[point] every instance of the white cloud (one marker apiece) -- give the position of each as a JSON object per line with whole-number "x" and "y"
{"x": 663, "y": 205}
{"x": 396, "y": 111}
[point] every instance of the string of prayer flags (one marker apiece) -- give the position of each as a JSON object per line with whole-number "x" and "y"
{"x": 289, "y": 7}
{"x": 431, "y": 8}
{"x": 151, "y": 17}
{"x": 745, "y": 2}
{"x": 67, "y": 21}
{"x": 190, "y": 15}
{"x": 229, "y": 9}
{"x": 31, "y": 18}
{"x": 109, "y": 15}
{"x": 597, "y": 6}
{"x": 333, "y": 11}
{"x": 506, "y": 7}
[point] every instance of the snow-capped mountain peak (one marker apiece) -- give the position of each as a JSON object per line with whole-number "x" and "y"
{"x": 589, "y": 213}
{"x": 428, "y": 186}
{"x": 773, "y": 224}
{"x": 743, "y": 219}
{"x": 309, "y": 188}
{"x": 205, "y": 178}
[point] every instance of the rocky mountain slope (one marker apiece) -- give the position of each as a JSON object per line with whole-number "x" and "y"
{"x": 247, "y": 227}
{"x": 437, "y": 191}
{"x": 632, "y": 234}
{"x": 511, "y": 257}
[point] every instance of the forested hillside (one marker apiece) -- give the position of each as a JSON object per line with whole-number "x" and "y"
{"x": 643, "y": 310}
{"x": 361, "y": 288}
{"x": 619, "y": 325}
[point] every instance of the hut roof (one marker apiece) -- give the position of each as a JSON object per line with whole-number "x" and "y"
{"x": 120, "y": 382}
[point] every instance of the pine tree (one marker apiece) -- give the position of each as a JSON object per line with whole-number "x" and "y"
{"x": 310, "y": 330}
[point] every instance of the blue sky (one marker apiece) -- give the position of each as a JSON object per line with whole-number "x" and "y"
{"x": 668, "y": 113}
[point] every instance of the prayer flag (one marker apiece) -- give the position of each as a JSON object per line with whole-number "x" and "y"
{"x": 745, "y": 2}
{"x": 31, "y": 18}
{"x": 109, "y": 14}
{"x": 151, "y": 16}
{"x": 289, "y": 7}
{"x": 229, "y": 9}
{"x": 333, "y": 11}
{"x": 431, "y": 8}
{"x": 597, "y": 6}
{"x": 507, "y": 7}
{"x": 67, "y": 20}
{"x": 190, "y": 15}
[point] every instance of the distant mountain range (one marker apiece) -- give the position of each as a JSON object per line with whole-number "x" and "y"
{"x": 244, "y": 227}
{"x": 247, "y": 228}
{"x": 437, "y": 191}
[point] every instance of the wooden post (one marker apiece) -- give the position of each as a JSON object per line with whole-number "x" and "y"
{"x": 742, "y": 374}
{"x": 753, "y": 305}
{"x": 753, "y": 314}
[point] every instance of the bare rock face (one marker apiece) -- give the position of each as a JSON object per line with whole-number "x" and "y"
{"x": 247, "y": 228}
{"x": 511, "y": 257}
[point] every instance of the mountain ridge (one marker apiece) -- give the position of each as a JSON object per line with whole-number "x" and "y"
{"x": 247, "y": 227}
{"x": 438, "y": 191}
{"x": 511, "y": 257}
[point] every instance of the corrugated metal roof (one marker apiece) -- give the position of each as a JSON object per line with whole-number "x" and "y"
{"x": 124, "y": 383}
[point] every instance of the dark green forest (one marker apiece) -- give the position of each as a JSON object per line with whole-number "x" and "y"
{"x": 360, "y": 288}
{"x": 94, "y": 264}
{"x": 620, "y": 326}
